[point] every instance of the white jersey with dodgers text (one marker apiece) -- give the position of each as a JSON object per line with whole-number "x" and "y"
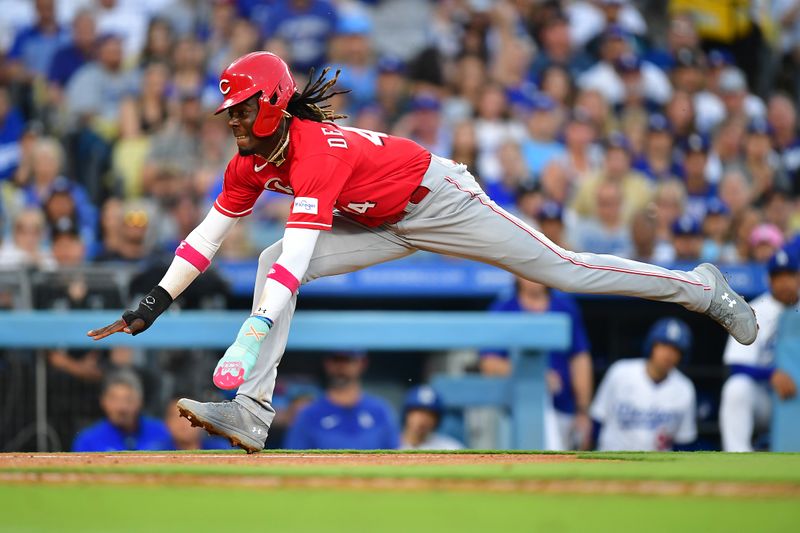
{"x": 638, "y": 414}
{"x": 762, "y": 352}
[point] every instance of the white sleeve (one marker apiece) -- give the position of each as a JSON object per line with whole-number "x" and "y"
{"x": 205, "y": 239}
{"x": 298, "y": 247}
{"x": 601, "y": 405}
{"x": 687, "y": 431}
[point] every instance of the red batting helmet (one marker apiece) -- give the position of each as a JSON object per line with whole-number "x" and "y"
{"x": 253, "y": 73}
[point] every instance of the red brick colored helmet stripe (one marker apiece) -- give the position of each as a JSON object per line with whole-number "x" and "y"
{"x": 190, "y": 254}
{"x": 284, "y": 277}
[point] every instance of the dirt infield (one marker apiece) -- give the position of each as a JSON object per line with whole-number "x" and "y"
{"x": 135, "y": 469}
{"x": 11, "y": 460}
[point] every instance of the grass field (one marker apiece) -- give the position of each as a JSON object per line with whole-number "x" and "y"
{"x": 353, "y": 492}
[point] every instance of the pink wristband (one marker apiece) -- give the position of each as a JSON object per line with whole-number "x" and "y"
{"x": 284, "y": 277}
{"x": 195, "y": 258}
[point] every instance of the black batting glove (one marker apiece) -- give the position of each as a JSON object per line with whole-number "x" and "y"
{"x": 150, "y": 307}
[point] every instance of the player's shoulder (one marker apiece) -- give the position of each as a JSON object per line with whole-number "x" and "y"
{"x": 681, "y": 381}
{"x": 624, "y": 368}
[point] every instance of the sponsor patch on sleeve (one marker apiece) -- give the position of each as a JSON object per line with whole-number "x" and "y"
{"x": 305, "y": 205}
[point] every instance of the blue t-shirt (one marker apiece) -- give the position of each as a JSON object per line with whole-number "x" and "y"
{"x": 368, "y": 425}
{"x": 36, "y": 49}
{"x": 557, "y": 360}
{"x": 103, "y": 437}
{"x": 539, "y": 154}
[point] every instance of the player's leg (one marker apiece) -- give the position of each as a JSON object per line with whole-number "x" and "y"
{"x": 737, "y": 413}
{"x": 348, "y": 247}
{"x": 457, "y": 218}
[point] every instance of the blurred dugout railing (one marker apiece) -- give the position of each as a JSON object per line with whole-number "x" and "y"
{"x": 527, "y": 338}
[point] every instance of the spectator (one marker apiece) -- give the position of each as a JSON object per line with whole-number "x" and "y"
{"x": 95, "y": 91}
{"x": 644, "y": 242}
{"x": 606, "y": 231}
{"x": 669, "y": 201}
{"x": 569, "y": 375}
{"x": 700, "y": 191}
{"x": 735, "y": 191}
{"x": 128, "y": 20}
{"x": 726, "y": 149}
{"x": 513, "y": 173}
{"x": 185, "y": 436}
{"x": 351, "y": 52}
{"x": 782, "y": 116}
{"x": 647, "y": 404}
{"x": 34, "y": 47}
{"x": 73, "y": 55}
{"x": 26, "y": 248}
{"x": 717, "y": 247}
{"x": 657, "y": 161}
{"x": 583, "y": 157}
{"x": 761, "y": 164}
{"x": 159, "y": 41}
{"x": 540, "y": 146}
{"x": 345, "y": 417}
{"x": 124, "y": 426}
{"x": 493, "y": 128}
{"x": 687, "y": 239}
{"x": 557, "y": 48}
{"x": 422, "y": 413}
{"x": 635, "y": 188}
{"x": 134, "y": 241}
{"x": 765, "y": 241}
{"x": 391, "y": 89}
{"x": 424, "y": 124}
{"x": 746, "y": 405}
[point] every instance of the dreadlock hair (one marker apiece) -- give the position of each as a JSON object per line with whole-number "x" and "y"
{"x": 305, "y": 104}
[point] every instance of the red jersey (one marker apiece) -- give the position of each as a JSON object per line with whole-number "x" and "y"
{"x": 365, "y": 174}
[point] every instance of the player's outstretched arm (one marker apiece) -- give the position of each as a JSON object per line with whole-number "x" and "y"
{"x": 192, "y": 258}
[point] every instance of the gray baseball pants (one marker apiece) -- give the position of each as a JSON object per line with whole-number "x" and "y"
{"x": 458, "y": 219}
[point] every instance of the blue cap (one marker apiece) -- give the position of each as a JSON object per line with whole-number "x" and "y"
{"x": 784, "y": 260}
{"x": 686, "y": 225}
{"x": 658, "y": 122}
{"x": 628, "y": 63}
{"x": 715, "y": 206}
{"x": 391, "y": 65}
{"x": 617, "y": 139}
{"x": 696, "y": 142}
{"x": 354, "y": 24}
{"x": 60, "y": 185}
{"x": 759, "y": 126}
{"x": 672, "y": 331}
{"x": 425, "y": 102}
{"x": 550, "y": 211}
{"x": 720, "y": 58}
{"x": 423, "y": 397}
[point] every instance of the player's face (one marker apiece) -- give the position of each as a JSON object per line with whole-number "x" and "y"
{"x": 240, "y": 120}
{"x": 785, "y": 287}
{"x": 665, "y": 357}
{"x": 420, "y": 422}
{"x": 121, "y": 404}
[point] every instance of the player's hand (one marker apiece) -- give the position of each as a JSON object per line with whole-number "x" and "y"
{"x": 150, "y": 307}
{"x": 136, "y": 326}
{"x": 783, "y": 384}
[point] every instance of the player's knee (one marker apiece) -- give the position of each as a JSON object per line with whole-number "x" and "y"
{"x": 270, "y": 255}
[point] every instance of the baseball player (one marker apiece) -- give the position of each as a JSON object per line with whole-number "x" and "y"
{"x": 648, "y": 404}
{"x": 422, "y": 412}
{"x": 746, "y": 404}
{"x": 360, "y": 198}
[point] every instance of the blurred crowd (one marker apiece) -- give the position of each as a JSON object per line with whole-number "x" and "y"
{"x": 664, "y": 131}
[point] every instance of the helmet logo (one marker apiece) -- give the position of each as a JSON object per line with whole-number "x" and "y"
{"x": 227, "y": 88}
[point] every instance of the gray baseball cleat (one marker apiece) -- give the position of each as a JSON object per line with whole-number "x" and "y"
{"x": 227, "y": 419}
{"x": 728, "y": 308}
